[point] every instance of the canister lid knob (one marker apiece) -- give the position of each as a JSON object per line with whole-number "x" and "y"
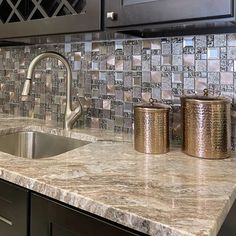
{"x": 152, "y": 101}
{"x": 205, "y": 92}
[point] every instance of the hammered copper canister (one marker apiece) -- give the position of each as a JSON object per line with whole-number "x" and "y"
{"x": 206, "y": 126}
{"x": 151, "y": 128}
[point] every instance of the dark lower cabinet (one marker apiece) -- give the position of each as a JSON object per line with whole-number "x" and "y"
{"x": 229, "y": 226}
{"x": 14, "y": 208}
{"x": 50, "y": 218}
{"x": 23, "y": 213}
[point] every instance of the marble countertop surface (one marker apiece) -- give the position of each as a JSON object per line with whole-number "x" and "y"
{"x": 169, "y": 194}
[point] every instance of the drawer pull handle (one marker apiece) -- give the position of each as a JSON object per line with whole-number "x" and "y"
{"x": 3, "y": 219}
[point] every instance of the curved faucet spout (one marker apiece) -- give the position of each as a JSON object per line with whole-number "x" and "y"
{"x": 70, "y": 115}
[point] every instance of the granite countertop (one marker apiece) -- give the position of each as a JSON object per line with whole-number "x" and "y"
{"x": 170, "y": 194}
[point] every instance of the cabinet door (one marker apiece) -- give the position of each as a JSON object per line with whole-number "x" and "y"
{"x": 137, "y": 12}
{"x": 49, "y": 218}
{"x": 13, "y": 210}
{"x": 43, "y": 17}
{"x": 229, "y": 227}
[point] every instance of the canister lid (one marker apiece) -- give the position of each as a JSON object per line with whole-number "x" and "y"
{"x": 152, "y": 105}
{"x": 205, "y": 98}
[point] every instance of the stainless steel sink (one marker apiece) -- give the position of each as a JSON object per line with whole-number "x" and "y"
{"x": 37, "y": 145}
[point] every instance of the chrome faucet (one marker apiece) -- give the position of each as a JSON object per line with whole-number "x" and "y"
{"x": 70, "y": 115}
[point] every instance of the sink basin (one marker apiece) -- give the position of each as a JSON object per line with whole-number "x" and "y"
{"x": 37, "y": 145}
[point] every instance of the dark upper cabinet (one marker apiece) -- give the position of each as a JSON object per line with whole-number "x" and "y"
{"x": 127, "y": 13}
{"x": 13, "y": 210}
{"x": 21, "y": 18}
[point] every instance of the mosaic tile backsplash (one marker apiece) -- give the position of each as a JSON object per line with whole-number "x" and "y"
{"x": 109, "y": 77}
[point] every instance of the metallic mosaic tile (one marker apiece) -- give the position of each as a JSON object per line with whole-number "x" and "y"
{"x": 189, "y": 83}
{"x": 110, "y": 77}
{"x": 188, "y": 42}
{"x": 226, "y": 78}
{"x": 166, "y": 60}
{"x": 188, "y": 59}
{"x": 213, "y": 66}
{"x": 220, "y": 40}
{"x": 177, "y": 48}
{"x": 213, "y": 53}
{"x": 177, "y": 60}
{"x": 200, "y": 41}
{"x": 156, "y": 44}
{"x": 231, "y": 53}
{"x": 201, "y": 65}
{"x": 231, "y": 40}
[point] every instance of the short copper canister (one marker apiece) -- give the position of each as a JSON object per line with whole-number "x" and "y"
{"x": 206, "y": 126}
{"x": 151, "y": 128}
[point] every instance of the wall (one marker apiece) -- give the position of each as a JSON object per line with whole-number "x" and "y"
{"x": 110, "y": 77}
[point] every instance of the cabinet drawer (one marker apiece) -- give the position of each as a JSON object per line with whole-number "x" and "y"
{"x": 13, "y": 210}
{"x": 141, "y": 12}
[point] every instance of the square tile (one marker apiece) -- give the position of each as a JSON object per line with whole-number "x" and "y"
{"x": 220, "y": 40}
{"x": 136, "y": 61}
{"x": 177, "y": 60}
{"x": 200, "y": 41}
{"x": 213, "y": 65}
{"x": 231, "y": 53}
{"x": 177, "y": 77}
{"x": 166, "y": 83}
{"x": 166, "y": 48}
{"x": 226, "y": 78}
{"x": 166, "y": 94}
{"x": 156, "y": 44}
{"x": 156, "y": 76}
{"x": 231, "y": 40}
{"x": 213, "y": 78}
{"x": 213, "y": 53}
{"x": 166, "y": 60}
{"x": 177, "y": 48}
{"x": 189, "y": 83}
{"x": 156, "y": 93}
{"x": 188, "y": 59}
{"x": 188, "y": 41}
{"x": 155, "y": 60}
{"x": 146, "y": 44}
{"x": 200, "y": 84}
{"x": 201, "y": 65}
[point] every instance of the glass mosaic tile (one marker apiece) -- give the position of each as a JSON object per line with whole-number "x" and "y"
{"x": 213, "y": 53}
{"x": 213, "y": 66}
{"x": 231, "y": 40}
{"x": 201, "y": 65}
{"x": 110, "y": 77}
{"x": 226, "y": 78}
{"x": 188, "y": 59}
{"x": 188, "y": 42}
{"x": 166, "y": 48}
{"x": 231, "y": 53}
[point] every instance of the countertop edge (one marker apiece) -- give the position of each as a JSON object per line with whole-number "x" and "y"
{"x": 129, "y": 220}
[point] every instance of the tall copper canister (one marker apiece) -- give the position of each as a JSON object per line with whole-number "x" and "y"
{"x": 151, "y": 128}
{"x": 206, "y": 126}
